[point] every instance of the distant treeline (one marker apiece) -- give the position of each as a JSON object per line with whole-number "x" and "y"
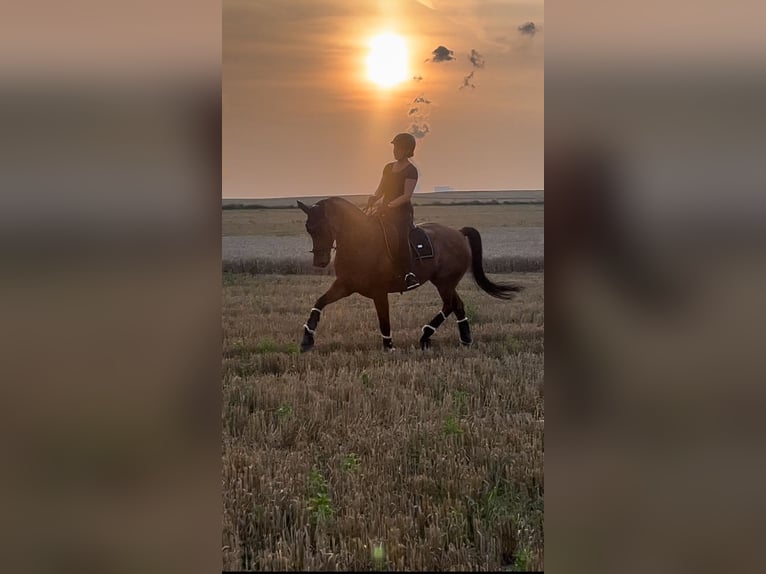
{"x": 256, "y": 206}
{"x": 485, "y": 202}
{"x": 417, "y": 202}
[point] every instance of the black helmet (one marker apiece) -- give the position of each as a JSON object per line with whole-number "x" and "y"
{"x": 407, "y": 141}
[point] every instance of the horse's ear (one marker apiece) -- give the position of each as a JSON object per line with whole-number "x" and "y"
{"x": 303, "y": 207}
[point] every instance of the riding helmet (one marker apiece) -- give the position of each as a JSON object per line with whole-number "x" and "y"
{"x": 406, "y": 141}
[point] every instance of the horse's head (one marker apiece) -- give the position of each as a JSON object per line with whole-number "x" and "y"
{"x": 321, "y": 233}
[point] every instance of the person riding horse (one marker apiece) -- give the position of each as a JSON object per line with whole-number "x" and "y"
{"x": 361, "y": 265}
{"x": 393, "y": 196}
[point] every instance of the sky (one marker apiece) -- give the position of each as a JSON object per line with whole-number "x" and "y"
{"x": 301, "y": 116}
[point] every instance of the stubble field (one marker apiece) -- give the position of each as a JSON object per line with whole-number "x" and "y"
{"x": 273, "y": 239}
{"x": 348, "y": 458}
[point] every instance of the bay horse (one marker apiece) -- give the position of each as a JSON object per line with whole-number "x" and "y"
{"x": 363, "y": 265}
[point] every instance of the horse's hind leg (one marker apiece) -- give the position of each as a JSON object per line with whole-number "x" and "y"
{"x": 336, "y": 291}
{"x": 447, "y": 295}
{"x": 462, "y": 321}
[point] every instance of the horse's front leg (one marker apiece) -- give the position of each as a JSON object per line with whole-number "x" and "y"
{"x": 381, "y": 306}
{"x": 447, "y": 293}
{"x": 336, "y": 291}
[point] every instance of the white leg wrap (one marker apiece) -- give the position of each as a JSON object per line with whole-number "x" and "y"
{"x": 463, "y": 319}
{"x": 309, "y": 331}
{"x": 443, "y": 315}
{"x": 386, "y": 336}
{"x": 317, "y": 310}
{"x": 428, "y": 327}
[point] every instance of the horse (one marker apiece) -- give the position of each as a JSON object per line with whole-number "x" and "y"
{"x": 363, "y": 265}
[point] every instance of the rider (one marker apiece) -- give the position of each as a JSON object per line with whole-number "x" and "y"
{"x": 394, "y": 193}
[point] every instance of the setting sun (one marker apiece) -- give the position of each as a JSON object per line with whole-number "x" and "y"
{"x": 387, "y": 62}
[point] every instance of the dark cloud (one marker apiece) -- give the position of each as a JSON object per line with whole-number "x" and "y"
{"x": 467, "y": 83}
{"x": 421, "y": 100}
{"x": 476, "y": 59}
{"x": 419, "y": 130}
{"x": 528, "y": 28}
{"x": 412, "y": 111}
{"x": 442, "y": 54}
{"x": 417, "y": 78}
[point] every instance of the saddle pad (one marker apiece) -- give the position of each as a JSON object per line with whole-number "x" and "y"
{"x": 421, "y": 243}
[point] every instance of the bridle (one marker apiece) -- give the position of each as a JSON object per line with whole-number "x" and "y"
{"x": 327, "y": 250}
{"x": 324, "y": 251}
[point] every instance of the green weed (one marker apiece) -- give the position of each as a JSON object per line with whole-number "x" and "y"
{"x": 292, "y": 349}
{"x": 320, "y": 503}
{"x": 284, "y": 410}
{"x": 460, "y": 399}
{"x": 351, "y": 462}
{"x": 521, "y": 561}
{"x": 452, "y": 426}
{"x": 265, "y": 346}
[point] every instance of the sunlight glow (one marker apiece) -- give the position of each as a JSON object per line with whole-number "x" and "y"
{"x": 387, "y": 62}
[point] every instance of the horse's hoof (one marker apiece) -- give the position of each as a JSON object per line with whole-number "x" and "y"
{"x": 466, "y": 343}
{"x": 425, "y": 344}
{"x": 307, "y": 343}
{"x": 306, "y": 346}
{"x": 389, "y": 349}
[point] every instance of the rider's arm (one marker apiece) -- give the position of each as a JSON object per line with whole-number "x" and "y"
{"x": 378, "y": 192}
{"x": 409, "y": 189}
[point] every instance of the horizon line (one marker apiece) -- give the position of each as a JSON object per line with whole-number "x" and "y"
{"x": 365, "y": 194}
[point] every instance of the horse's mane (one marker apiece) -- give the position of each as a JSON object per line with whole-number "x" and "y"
{"x": 336, "y": 199}
{"x": 345, "y": 205}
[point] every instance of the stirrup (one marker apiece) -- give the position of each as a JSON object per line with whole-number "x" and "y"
{"x": 411, "y": 284}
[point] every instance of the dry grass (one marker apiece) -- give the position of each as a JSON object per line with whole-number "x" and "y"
{"x": 304, "y": 265}
{"x": 348, "y": 458}
{"x": 286, "y": 222}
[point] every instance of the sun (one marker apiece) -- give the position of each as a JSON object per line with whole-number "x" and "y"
{"x": 387, "y": 62}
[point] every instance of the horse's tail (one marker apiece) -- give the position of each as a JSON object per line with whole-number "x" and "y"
{"x": 504, "y": 291}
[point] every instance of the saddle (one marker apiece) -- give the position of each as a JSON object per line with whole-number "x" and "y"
{"x": 420, "y": 242}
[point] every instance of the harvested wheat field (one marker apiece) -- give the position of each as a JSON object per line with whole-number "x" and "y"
{"x": 347, "y": 458}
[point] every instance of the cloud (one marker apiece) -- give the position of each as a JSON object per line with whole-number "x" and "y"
{"x": 441, "y": 54}
{"x": 419, "y": 130}
{"x": 417, "y": 78}
{"x": 476, "y": 59}
{"x": 418, "y": 116}
{"x": 467, "y": 82}
{"x": 528, "y": 29}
